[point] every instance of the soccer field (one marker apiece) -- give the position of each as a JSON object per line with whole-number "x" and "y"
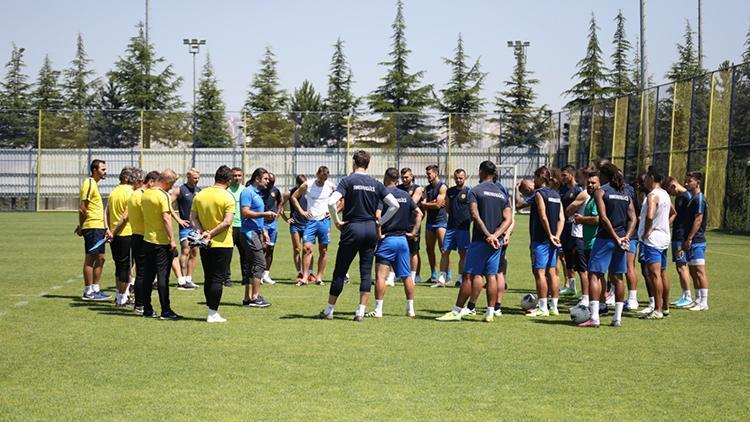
{"x": 63, "y": 358}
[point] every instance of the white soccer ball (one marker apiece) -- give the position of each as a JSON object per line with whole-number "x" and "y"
{"x": 529, "y": 301}
{"x": 580, "y": 314}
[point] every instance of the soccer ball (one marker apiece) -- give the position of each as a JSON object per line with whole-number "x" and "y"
{"x": 528, "y": 301}
{"x": 580, "y": 314}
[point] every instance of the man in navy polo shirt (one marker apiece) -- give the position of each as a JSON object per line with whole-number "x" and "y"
{"x": 361, "y": 194}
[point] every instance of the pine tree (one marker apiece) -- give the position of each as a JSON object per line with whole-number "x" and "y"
{"x": 462, "y": 99}
{"x": 269, "y": 126}
{"x": 591, "y": 72}
{"x": 16, "y": 121}
{"x": 212, "y": 129}
{"x": 522, "y": 121}
{"x": 46, "y": 95}
{"x": 306, "y": 105}
{"x": 114, "y": 125}
{"x": 687, "y": 64}
{"x": 401, "y": 93}
{"x": 340, "y": 100}
{"x": 80, "y": 85}
{"x": 147, "y": 86}
{"x": 746, "y": 53}
{"x": 621, "y": 83}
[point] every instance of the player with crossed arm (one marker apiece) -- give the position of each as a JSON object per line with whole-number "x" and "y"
{"x": 437, "y": 222}
{"x": 393, "y": 250}
{"x": 116, "y": 213}
{"x": 297, "y": 223}
{"x": 681, "y": 223}
{"x": 407, "y": 185}
{"x": 183, "y": 196}
{"x": 316, "y": 193}
{"x": 271, "y": 200}
{"x": 694, "y": 243}
{"x": 361, "y": 194}
{"x": 459, "y": 220}
{"x": 491, "y": 215}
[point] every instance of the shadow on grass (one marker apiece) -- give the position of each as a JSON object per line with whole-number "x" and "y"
{"x": 553, "y": 322}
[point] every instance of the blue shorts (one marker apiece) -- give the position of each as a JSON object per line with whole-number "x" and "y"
{"x": 696, "y": 256}
{"x": 633, "y": 246}
{"x": 543, "y": 255}
{"x": 651, "y": 255}
{"x": 90, "y": 238}
{"x": 482, "y": 259}
{"x": 433, "y": 227}
{"x": 294, "y": 228}
{"x": 456, "y": 239}
{"x": 317, "y": 230}
{"x": 394, "y": 251}
{"x": 606, "y": 255}
{"x": 185, "y": 232}
{"x": 273, "y": 231}
{"x": 678, "y": 255}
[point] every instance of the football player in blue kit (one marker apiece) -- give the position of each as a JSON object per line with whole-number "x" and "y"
{"x": 459, "y": 219}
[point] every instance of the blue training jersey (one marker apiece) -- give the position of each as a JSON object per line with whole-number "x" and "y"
{"x": 362, "y": 195}
{"x": 552, "y": 205}
{"x": 491, "y": 201}
{"x": 250, "y": 197}
{"x": 683, "y": 221}
{"x": 271, "y": 198}
{"x": 696, "y": 207}
{"x": 431, "y": 193}
{"x": 299, "y": 219}
{"x": 185, "y": 200}
{"x": 459, "y": 217}
{"x": 616, "y": 204}
{"x": 401, "y": 223}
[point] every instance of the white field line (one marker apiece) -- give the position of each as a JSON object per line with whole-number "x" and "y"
{"x": 21, "y": 303}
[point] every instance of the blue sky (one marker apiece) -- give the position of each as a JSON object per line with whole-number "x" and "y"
{"x": 302, "y": 33}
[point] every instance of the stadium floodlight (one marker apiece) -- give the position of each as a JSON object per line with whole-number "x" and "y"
{"x": 194, "y": 47}
{"x": 519, "y": 47}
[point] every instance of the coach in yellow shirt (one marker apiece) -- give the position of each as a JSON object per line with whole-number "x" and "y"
{"x": 91, "y": 227}
{"x": 116, "y": 215}
{"x": 212, "y": 214}
{"x": 158, "y": 244}
{"x": 135, "y": 218}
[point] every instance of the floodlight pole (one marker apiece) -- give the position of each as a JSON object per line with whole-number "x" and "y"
{"x": 644, "y": 83}
{"x": 194, "y": 47}
{"x": 700, "y": 35}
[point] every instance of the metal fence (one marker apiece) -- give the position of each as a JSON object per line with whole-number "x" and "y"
{"x": 698, "y": 124}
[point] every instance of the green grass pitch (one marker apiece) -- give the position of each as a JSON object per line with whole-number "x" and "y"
{"x": 61, "y": 358}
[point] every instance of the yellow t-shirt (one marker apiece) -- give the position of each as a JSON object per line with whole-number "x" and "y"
{"x": 117, "y": 204}
{"x": 135, "y": 213}
{"x": 211, "y": 205}
{"x": 95, "y": 212}
{"x": 155, "y": 203}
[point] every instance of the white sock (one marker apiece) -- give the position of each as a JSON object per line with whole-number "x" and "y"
{"x": 441, "y": 277}
{"x": 618, "y": 311}
{"x": 633, "y": 295}
{"x": 651, "y": 302}
{"x": 594, "y": 308}
{"x": 490, "y": 311}
{"x": 212, "y": 313}
{"x": 554, "y": 303}
{"x": 188, "y": 278}
{"x": 572, "y": 283}
{"x": 686, "y": 294}
{"x": 456, "y": 310}
{"x": 95, "y": 287}
{"x": 88, "y": 289}
{"x": 361, "y": 310}
{"x": 329, "y": 309}
{"x": 410, "y": 305}
{"x": 704, "y": 296}
{"x": 585, "y": 300}
{"x": 118, "y": 298}
{"x": 265, "y": 274}
{"x": 378, "y": 306}
{"x": 543, "y": 304}
{"x": 413, "y": 275}
{"x": 181, "y": 280}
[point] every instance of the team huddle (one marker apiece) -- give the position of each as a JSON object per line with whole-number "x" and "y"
{"x": 589, "y": 218}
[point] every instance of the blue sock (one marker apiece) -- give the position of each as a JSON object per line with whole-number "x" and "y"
{"x": 450, "y": 274}
{"x": 434, "y": 274}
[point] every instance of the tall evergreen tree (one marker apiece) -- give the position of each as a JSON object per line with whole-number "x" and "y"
{"x": 16, "y": 121}
{"x": 269, "y": 125}
{"x": 401, "y": 93}
{"x": 80, "y": 84}
{"x": 148, "y": 83}
{"x": 114, "y": 125}
{"x": 46, "y": 95}
{"x": 306, "y": 105}
{"x": 340, "y": 100}
{"x": 522, "y": 120}
{"x": 687, "y": 64}
{"x": 620, "y": 81}
{"x": 461, "y": 98}
{"x": 212, "y": 129}
{"x": 591, "y": 72}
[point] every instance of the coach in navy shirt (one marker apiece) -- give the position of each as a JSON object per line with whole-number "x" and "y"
{"x": 491, "y": 215}
{"x": 361, "y": 194}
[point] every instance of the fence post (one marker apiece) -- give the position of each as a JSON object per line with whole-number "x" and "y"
{"x": 671, "y": 135}
{"x": 38, "y": 158}
{"x": 244, "y": 143}
{"x": 708, "y": 140}
{"x": 348, "y": 141}
{"x": 448, "y": 166}
{"x": 140, "y": 157}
